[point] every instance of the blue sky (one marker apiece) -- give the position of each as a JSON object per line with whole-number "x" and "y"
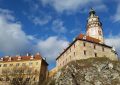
{"x": 48, "y": 26}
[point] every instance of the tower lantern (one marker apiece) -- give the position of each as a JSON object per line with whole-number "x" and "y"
{"x": 94, "y": 26}
{"x": 92, "y": 13}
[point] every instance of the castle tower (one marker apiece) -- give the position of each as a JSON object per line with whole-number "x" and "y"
{"x": 94, "y": 26}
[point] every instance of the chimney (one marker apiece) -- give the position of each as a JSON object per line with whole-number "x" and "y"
{"x": 84, "y": 37}
{"x": 28, "y": 54}
{"x": 19, "y": 57}
{"x": 1, "y": 59}
{"x": 32, "y": 57}
{"x": 9, "y": 59}
{"x": 38, "y": 53}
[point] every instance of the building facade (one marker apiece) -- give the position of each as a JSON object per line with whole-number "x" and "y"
{"x": 86, "y": 46}
{"x": 32, "y": 69}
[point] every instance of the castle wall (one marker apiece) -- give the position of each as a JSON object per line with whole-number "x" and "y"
{"x": 83, "y": 50}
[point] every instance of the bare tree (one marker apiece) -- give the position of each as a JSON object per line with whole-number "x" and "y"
{"x": 21, "y": 76}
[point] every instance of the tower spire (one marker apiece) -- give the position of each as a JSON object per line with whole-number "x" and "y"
{"x": 94, "y": 26}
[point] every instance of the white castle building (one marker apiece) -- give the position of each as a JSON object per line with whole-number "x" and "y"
{"x": 87, "y": 45}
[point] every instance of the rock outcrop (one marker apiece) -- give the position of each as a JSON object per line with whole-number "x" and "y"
{"x": 93, "y": 71}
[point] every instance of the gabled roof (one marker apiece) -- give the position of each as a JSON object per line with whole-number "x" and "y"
{"x": 88, "y": 38}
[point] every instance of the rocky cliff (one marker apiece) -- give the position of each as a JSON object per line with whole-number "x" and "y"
{"x": 94, "y": 71}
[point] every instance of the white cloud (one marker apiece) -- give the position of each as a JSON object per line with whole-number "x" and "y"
{"x": 72, "y": 5}
{"x": 6, "y": 14}
{"x": 41, "y": 20}
{"x": 76, "y": 30}
{"x": 114, "y": 41}
{"x": 52, "y": 46}
{"x": 100, "y": 7}
{"x": 12, "y": 39}
{"x": 58, "y": 26}
{"x": 116, "y": 17}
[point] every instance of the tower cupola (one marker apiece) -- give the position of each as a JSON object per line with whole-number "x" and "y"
{"x": 94, "y": 26}
{"x": 92, "y": 13}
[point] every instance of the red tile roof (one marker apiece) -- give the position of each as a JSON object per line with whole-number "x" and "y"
{"x": 88, "y": 38}
{"x": 14, "y": 58}
{"x": 5, "y": 59}
{"x": 22, "y": 58}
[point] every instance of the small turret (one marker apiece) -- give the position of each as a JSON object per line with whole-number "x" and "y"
{"x": 92, "y": 12}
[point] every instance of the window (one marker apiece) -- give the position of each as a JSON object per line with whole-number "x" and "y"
{"x": 23, "y": 64}
{"x": 74, "y": 45}
{"x": 5, "y": 65}
{"x": 84, "y": 52}
{"x": 20, "y": 79}
{"x": 14, "y": 79}
{"x": 11, "y": 64}
{"x": 17, "y": 64}
{"x": 7, "y": 79}
{"x": 30, "y": 63}
{"x": 1, "y": 79}
{"x": 29, "y": 71}
{"x": 84, "y": 44}
{"x": 36, "y": 63}
{"x": 74, "y": 53}
{"x": 100, "y": 33}
{"x": 103, "y": 49}
{"x": 27, "y": 79}
{"x": 94, "y": 46}
{"x": 95, "y": 54}
{"x": 34, "y": 79}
